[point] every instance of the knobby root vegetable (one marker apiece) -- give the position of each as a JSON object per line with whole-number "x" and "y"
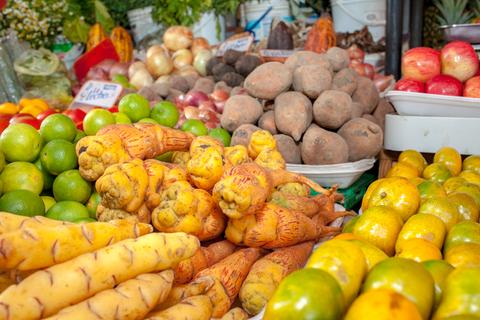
{"x": 6, "y": 280}
{"x": 205, "y": 168}
{"x": 122, "y": 142}
{"x": 40, "y": 247}
{"x": 309, "y": 206}
{"x": 199, "y": 286}
{"x": 47, "y": 291}
{"x": 271, "y": 159}
{"x": 276, "y": 227}
{"x": 181, "y": 158}
{"x": 193, "y": 308}
{"x": 294, "y": 188}
{"x": 199, "y": 144}
{"x": 259, "y": 141}
{"x": 194, "y": 211}
{"x": 267, "y": 273}
{"x": 236, "y": 155}
{"x": 203, "y": 258}
{"x": 229, "y": 275}
{"x": 244, "y": 189}
{"x": 130, "y": 300}
{"x": 235, "y": 314}
{"x": 11, "y": 222}
{"x": 242, "y": 134}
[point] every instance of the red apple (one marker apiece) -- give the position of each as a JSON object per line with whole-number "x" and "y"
{"x": 410, "y": 85}
{"x": 444, "y": 84}
{"x": 421, "y": 64}
{"x": 472, "y": 88}
{"x": 459, "y": 60}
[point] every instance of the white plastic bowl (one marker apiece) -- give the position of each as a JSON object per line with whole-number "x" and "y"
{"x": 434, "y": 105}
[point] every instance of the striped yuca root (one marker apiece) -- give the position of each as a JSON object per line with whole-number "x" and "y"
{"x": 11, "y": 222}
{"x": 43, "y": 246}
{"x": 47, "y": 291}
{"x": 192, "y": 308}
{"x": 130, "y": 300}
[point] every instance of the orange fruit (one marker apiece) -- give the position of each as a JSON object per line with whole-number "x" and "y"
{"x": 419, "y": 250}
{"x": 382, "y": 304}
{"x": 379, "y": 226}
{"x": 442, "y": 208}
{"x": 439, "y": 270}
{"x": 67, "y": 211}
{"x": 464, "y": 255}
{"x": 48, "y": 202}
{"x": 58, "y": 156}
{"x": 22, "y": 202}
{"x": 466, "y": 206}
{"x": 422, "y": 226}
{"x": 344, "y": 261}
{"x": 22, "y": 176}
{"x": 58, "y": 126}
{"x": 397, "y": 193}
{"x": 430, "y": 189}
{"x": 135, "y": 106}
{"x": 404, "y": 170}
{"x": 348, "y": 227}
{"x": 69, "y": 185}
{"x": 437, "y": 172}
{"x": 416, "y": 181}
{"x": 373, "y": 255}
{"x": 20, "y": 142}
{"x": 470, "y": 176}
{"x": 92, "y": 204}
{"x": 453, "y": 184}
{"x": 472, "y": 163}
{"x": 450, "y": 158}
{"x": 472, "y": 190}
{"x": 414, "y": 159}
{"x": 463, "y": 232}
{"x": 405, "y": 277}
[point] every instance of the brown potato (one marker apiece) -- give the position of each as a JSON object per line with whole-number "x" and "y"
{"x": 267, "y": 122}
{"x": 345, "y": 80}
{"x": 288, "y": 148}
{"x": 364, "y": 138}
{"x": 205, "y": 85}
{"x": 242, "y": 134}
{"x": 301, "y": 58}
{"x": 293, "y": 114}
{"x": 332, "y": 109}
{"x": 179, "y": 83}
{"x": 320, "y": 146}
{"x": 339, "y": 58}
{"x": 383, "y": 108}
{"x": 240, "y": 109}
{"x": 357, "y": 110}
{"x": 366, "y": 94}
{"x": 312, "y": 80}
{"x": 268, "y": 80}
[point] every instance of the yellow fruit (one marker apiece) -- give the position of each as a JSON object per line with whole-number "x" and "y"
{"x": 464, "y": 255}
{"x": 463, "y": 232}
{"x": 422, "y": 226}
{"x": 466, "y": 207}
{"x": 472, "y": 190}
{"x": 472, "y": 163}
{"x": 379, "y": 226}
{"x": 416, "y": 181}
{"x": 397, "y": 193}
{"x": 382, "y": 304}
{"x": 437, "y": 172}
{"x": 403, "y": 170}
{"x": 345, "y": 236}
{"x": 439, "y": 270}
{"x": 470, "y": 176}
{"x": 450, "y": 158}
{"x": 348, "y": 227}
{"x": 406, "y": 277}
{"x": 344, "y": 261}
{"x": 372, "y": 254}
{"x": 414, "y": 159}
{"x": 419, "y": 250}
{"x": 442, "y": 208}
{"x": 453, "y": 184}
{"x": 430, "y": 189}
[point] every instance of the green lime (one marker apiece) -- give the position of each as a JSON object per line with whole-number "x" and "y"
{"x": 135, "y": 106}
{"x": 80, "y": 134}
{"x": 67, "y": 211}
{"x": 3, "y": 162}
{"x": 122, "y": 118}
{"x": 20, "y": 142}
{"x": 165, "y": 113}
{"x": 22, "y": 176}
{"x": 22, "y": 202}
{"x": 58, "y": 126}
{"x": 93, "y": 203}
{"x": 84, "y": 220}
{"x": 221, "y": 135}
{"x": 47, "y": 177}
{"x": 120, "y": 79}
{"x": 96, "y": 119}
{"x": 69, "y": 185}
{"x": 195, "y": 126}
{"x": 48, "y": 202}
{"x": 58, "y": 156}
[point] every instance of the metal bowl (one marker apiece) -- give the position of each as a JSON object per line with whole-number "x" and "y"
{"x": 463, "y": 32}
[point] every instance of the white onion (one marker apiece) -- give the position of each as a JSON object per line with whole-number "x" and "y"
{"x": 199, "y": 44}
{"x": 201, "y": 60}
{"x": 181, "y": 58}
{"x": 159, "y": 64}
{"x": 141, "y": 78}
{"x": 134, "y": 67}
{"x": 177, "y": 37}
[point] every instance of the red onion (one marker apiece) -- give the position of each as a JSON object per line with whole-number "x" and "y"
{"x": 356, "y": 53}
{"x": 220, "y": 105}
{"x": 212, "y": 124}
{"x": 193, "y": 98}
{"x": 219, "y": 95}
{"x": 179, "y": 101}
{"x": 191, "y": 112}
{"x": 207, "y": 105}
{"x": 208, "y": 116}
{"x": 120, "y": 68}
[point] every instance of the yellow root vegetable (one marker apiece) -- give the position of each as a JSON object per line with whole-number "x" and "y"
{"x": 47, "y": 291}
{"x": 267, "y": 273}
{"x": 244, "y": 189}
{"x": 183, "y": 208}
{"x": 276, "y": 227}
{"x": 43, "y": 246}
{"x": 271, "y": 159}
{"x": 235, "y": 314}
{"x": 199, "y": 286}
{"x": 5, "y": 280}
{"x": 11, "y": 222}
{"x": 202, "y": 142}
{"x": 205, "y": 168}
{"x": 259, "y": 141}
{"x": 229, "y": 275}
{"x": 181, "y": 158}
{"x": 294, "y": 188}
{"x": 122, "y": 142}
{"x": 130, "y": 300}
{"x": 236, "y": 155}
{"x": 193, "y": 308}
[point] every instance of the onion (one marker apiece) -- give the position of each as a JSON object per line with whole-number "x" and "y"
{"x": 220, "y": 105}
{"x": 219, "y": 95}
{"x": 201, "y": 60}
{"x": 163, "y": 79}
{"x": 369, "y": 70}
{"x": 383, "y": 82}
{"x": 105, "y": 65}
{"x": 194, "y": 98}
{"x": 186, "y": 71}
{"x": 179, "y": 101}
{"x": 212, "y": 124}
{"x": 97, "y": 73}
{"x": 134, "y": 67}
{"x": 156, "y": 49}
{"x": 207, "y": 115}
{"x": 207, "y": 106}
{"x": 199, "y": 44}
{"x": 182, "y": 58}
{"x": 191, "y": 112}
{"x": 120, "y": 68}
{"x": 141, "y": 78}
{"x": 159, "y": 64}
{"x": 177, "y": 37}
{"x": 358, "y": 68}
{"x": 356, "y": 53}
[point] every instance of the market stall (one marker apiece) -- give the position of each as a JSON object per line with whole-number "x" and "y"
{"x": 239, "y": 160}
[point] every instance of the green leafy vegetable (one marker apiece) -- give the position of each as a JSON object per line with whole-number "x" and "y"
{"x": 103, "y": 17}
{"x": 76, "y": 30}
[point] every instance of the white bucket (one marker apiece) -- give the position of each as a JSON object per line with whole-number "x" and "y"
{"x": 253, "y": 10}
{"x": 352, "y": 15}
{"x": 207, "y": 28}
{"x": 142, "y": 23}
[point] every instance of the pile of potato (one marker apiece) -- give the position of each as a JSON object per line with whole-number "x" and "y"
{"x": 320, "y": 110}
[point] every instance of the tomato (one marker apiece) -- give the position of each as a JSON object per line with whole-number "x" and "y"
{"x": 113, "y": 109}
{"x": 45, "y": 114}
{"x": 76, "y": 115}
{"x": 26, "y": 118}
{"x": 4, "y": 121}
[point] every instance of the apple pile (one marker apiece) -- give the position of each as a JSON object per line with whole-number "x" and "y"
{"x": 452, "y": 71}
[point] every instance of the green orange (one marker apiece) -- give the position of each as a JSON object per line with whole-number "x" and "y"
{"x": 442, "y": 208}
{"x": 20, "y": 142}
{"x": 373, "y": 255}
{"x": 472, "y": 190}
{"x": 430, "y": 189}
{"x": 22, "y": 202}
{"x": 466, "y": 206}
{"x": 470, "y": 176}
{"x": 58, "y": 156}
{"x": 422, "y": 226}
{"x": 472, "y": 163}
{"x": 404, "y": 170}
{"x": 413, "y": 158}
{"x": 22, "y": 176}
{"x": 463, "y": 232}
{"x": 464, "y": 255}
{"x": 47, "y": 177}
{"x": 419, "y": 250}
{"x": 437, "y": 172}
{"x": 439, "y": 270}
{"x": 450, "y": 158}
{"x": 69, "y": 185}
{"x": 453, "y": 184}
{"x": 135, "y": 106}
{"x": 97, "y": 119}
{"x": 48, "y": 202}
{"x": 348, "y": 227}
{"x": 58, "y": 126}
{"x": 67, "y": 211}
{"x": 92, "y": 204}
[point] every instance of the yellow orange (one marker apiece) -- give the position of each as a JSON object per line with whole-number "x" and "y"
{"x": 463, "y": 232}
{"x": 348, "y": 227}
{"x": 422, "y": 226}
{"x": 442, "y": 208}
{"x": 414, "y": 159}
{"x": 419, "y": 250}
{"x": 470, "y": 176}
{"x": 416, "y": 181}
{"x": 430, "y": 189}
{"x": 439, "y": 270}
{"x": 464, "y": 255}
{"x": 345, "y": 236}
{"x": 472, "y": 163}
{"x": 403, "y": 170}
{"x": 373, "y": 255}
{"x": 437, "y": 172}
{"x": 453, "y": 184}
{"x": 466, "y": 206}
{"x": 472, "y": 190}
{"x": 450, "y": 158}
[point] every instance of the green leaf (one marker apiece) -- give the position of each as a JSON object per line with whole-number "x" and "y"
{"x": 76, "y": 30}
{"x": 103, "y": 17}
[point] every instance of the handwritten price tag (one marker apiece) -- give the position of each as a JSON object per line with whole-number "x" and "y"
{"x": 97, "y": 93}
{"x": 242, "y": 44}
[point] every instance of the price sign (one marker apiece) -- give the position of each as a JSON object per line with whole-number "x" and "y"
{"x": 276, "y": 55}
{"x": 242, "y": 44}
{"x": 98, "y": 94}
